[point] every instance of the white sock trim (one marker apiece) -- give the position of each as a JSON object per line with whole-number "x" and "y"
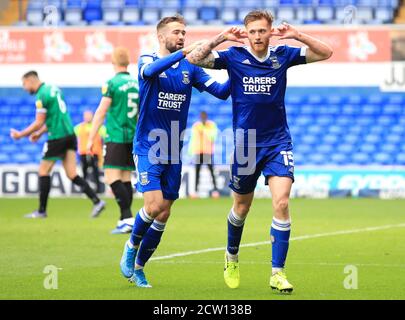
{"x": 234, "y": 219}
{"x": 158, "y": 226}
{"x": 130, "y": 245}
{"x": 144, "y": 216}
{"x": 281, "y": 225}
{"x": 275, "y": 270}
{"x": 231, "y": 257}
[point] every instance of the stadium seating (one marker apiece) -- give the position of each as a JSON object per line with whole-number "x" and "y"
{"x": 348, "y": 127}
{"x": 138, "y": 12}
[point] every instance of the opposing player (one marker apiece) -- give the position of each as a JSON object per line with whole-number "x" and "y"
{"x": 52, "y": 116}
{"x": 262, "y": 139}
{"x": 120, "y": 105}
{"x": 166, "y": 81}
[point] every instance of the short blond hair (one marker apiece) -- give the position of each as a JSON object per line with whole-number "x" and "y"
{"x": 258, "y": 15}
{"x": 120, "y": 56}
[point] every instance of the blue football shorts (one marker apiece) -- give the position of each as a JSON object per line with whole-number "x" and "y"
{"x": 249, "y": 162}
{"x": 158, "y": 176}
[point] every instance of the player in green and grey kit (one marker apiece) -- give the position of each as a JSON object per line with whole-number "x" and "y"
{"x": 52, "y": 116}
{"x": 119, "y": 105}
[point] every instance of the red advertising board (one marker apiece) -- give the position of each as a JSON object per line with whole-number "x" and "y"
{"x": 94, "y": 45}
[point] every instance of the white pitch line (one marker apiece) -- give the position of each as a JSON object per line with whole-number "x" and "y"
{"x": 305, "y": 237}
{"x": 322, "y": 264}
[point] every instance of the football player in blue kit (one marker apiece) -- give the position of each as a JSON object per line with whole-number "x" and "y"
{"x": 262, "y": 139}
{"x": 166, "y": 80}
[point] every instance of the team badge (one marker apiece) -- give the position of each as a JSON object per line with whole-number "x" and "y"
{"x": 104, "y": 88}
{"x": 274, "y": 62}
{"x": 186, "y": 79}
{"x": 143, "y": 177}
{"x": 38, "y": 104}
{"x": 235, "y": 182}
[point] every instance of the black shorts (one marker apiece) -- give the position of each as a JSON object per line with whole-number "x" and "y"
{"x": 56, "y": 149}
{"x": 118, "y": 156}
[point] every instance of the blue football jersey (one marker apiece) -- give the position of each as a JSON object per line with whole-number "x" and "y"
{"x": 257, "y": 89}
{"x": 163, "y": 107}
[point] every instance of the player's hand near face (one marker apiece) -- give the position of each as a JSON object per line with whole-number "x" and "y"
{"x": 15, "y": 134}
{"x": 285, "y": 31}
{"x": 317, "y": 50}
{"x": 202, "y": 55}
{"x": 234, "y": 34}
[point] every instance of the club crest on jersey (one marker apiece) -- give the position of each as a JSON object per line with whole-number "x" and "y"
{"x": 274, "y": 62}
{"x": 235, "y": 182}
{"x": 186, "y": 79}
{"x": 143, "y": 178}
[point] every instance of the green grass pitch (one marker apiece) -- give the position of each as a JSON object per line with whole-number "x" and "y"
{"x": 327, "y": 236}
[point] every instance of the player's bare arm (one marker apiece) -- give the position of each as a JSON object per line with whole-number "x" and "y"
{"x": 35, "y": 126}
{"x": 317, "y": 50}
{"x": 98, "y": 120}
{"x": 202, "y": 55}
{"x": 34, "y": 137}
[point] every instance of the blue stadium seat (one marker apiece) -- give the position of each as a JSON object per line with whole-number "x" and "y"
{"x": 286, "y": 13}
{"x": 400, "y": 158}
{"x": 360, "y": 158}
{"x": 339, "y": 158}
{"x": 74, "y": 4}
{"x": 305, "y": 13}
{"x": 208, "y": 13}
{"x": 345, "y": 148}
{"x": 4, "y": 158}
{"x": 382, "y": 158}
{"x": 324, "y": 13}
{"x": 150, "y": 15}
{"x": 340, "y": 128}
{"x": 330, "y": 139}
{"x": 230, "y": 16}
{"x": 367, "y": 147}
{"x": 384, "y": 15}
{"x": 317, "y": 158}
{"x": 111, "y": 15}
{"x": 93, "y": 12}
{"x": 131, "y": 3}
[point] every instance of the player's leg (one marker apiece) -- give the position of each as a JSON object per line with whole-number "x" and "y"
{"x": 113, "y": 177}
{"x": 96, "y": 172}
{"x": 150, "y": 242}
{"x": 127, "y": 181}
{"x": 44, "y": 182}
{"x": 69, "y": 164}
{"x": 236, "y": 222}
{"x": 209, "y": 163}
{"x": 280, "y": 188}
{"x": 198, "y": 159}
{"x": 150, "y": 185}
{"x": 279, "y": 173}
{"x": 118, "y": 163}
{"x": 153, "y": 206}
{"x": 85, "y": 165}
{"x": 159, "y": 204}
{"x": 244, "y": 174}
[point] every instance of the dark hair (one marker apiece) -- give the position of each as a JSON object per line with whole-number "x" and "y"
{"x": 31, "y": 73}
{"x": 166, "y": 20}
{"x": 258, "y": 15}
